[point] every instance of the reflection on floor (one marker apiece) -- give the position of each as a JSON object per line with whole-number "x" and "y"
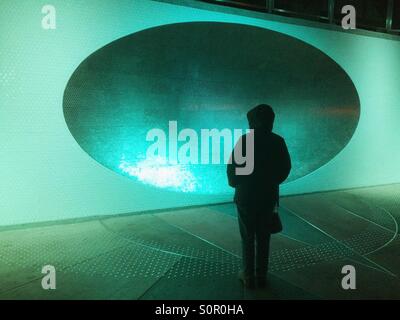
{"x": 195, "y": 253}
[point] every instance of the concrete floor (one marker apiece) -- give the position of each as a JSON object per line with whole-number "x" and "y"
{"x": 195, "y": 253}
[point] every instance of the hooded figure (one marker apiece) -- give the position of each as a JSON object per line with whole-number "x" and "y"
{"x": 257, "y": 193}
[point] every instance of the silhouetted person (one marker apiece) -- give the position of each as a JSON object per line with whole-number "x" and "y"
{"x": 257, "y": 194}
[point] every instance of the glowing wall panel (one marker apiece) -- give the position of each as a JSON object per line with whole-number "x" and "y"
{"x": 45, "y": 174}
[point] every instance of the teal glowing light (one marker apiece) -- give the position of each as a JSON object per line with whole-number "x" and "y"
{"x": 62, "y": 182}
{"x": 159, "y": 173}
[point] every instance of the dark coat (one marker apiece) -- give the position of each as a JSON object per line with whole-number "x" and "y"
{"x": 272, "y": 166}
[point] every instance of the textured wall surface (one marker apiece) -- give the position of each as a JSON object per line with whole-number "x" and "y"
{"x": 45, "y": 174}
{"x": 206, "y": 75}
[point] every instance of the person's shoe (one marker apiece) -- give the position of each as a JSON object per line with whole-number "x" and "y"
{"x": 261, "y": 282}
{"x": 248, "y": 281}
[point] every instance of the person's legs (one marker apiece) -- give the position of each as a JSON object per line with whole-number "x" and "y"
{"x": 247, "y": 232}
{"x": 262, "y": 256}
{"x": 263, "y": 237}
{"x": 248, "y": 247}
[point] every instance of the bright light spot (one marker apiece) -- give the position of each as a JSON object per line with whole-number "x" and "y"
{"x": 159, "y": 173}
